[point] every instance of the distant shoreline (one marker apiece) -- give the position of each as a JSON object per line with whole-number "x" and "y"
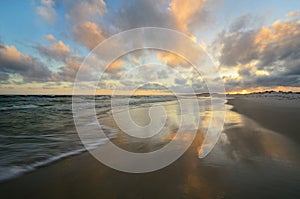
{"x": 204, "y": 94}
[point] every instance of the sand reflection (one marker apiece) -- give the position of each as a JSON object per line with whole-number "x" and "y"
{"x": 244, "y": 139}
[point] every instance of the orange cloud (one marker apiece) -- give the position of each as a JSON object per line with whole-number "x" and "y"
{"x": 57, "y": 46}
{"x": 58, "y": 50}
{"x": 115, "y": 66}
{"x": 135, "y": 61}
{"x": 49, "y": 38}
{"x": 60, "y": 47}
{"x": 171, "y": 60}
{"x": 88, "y": 34}
{"x": 13, "y": 54}
{"x": 278, "y": 31}
{"x": 183, "y": 11}
{"x": 27, "y": 68}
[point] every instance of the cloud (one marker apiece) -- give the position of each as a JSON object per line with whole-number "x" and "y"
{"x": 266, "y": 56}
{"x": 114, "y": 67}
{"x": 293, "y": 14}
{"x": 185, "y": 12}
{"x": 242, "y": 22}
{"x": 278, "y": 45}
{"x": 180, "y": 81}
{"x": 4, "y": 77}
{"x": 84, "y": 17}
{"x": 181, "y": 15}
{"x": 135, "y": 61}
{"x": 49, "y": 38}
{"x": 142, "y": 13}
{"x": 88, "y": 34}
{"x": 70, "y": 61}
{"x": 30, "y": 69}
{"x": 46, "y": 11}
{"x": 237, "y": 48}
{"x": 171, "y": 60}
{"x": 154, "y": 86}
{"x": 82, "y": 11}
{"x": 70, "y": 66}
{"x": 68, "y": 71}
{"x": 51, "y": 85}
{"x": 162, "y": 74}
{"x": 92, "y": 21}
{"x": 57, "y": 51}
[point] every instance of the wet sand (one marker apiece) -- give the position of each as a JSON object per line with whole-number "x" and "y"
{"x": 276, "y": 114}
{"x": 249, "y": 161}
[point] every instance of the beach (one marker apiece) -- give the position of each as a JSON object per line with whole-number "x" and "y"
{"x": 257, "y": 156}
{"x": 276, "y": 114}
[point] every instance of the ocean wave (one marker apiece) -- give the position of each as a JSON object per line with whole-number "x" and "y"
{"x": 10, "y": 172}
{"x": 18, "y": 107}
{"x": 36, "y": 137}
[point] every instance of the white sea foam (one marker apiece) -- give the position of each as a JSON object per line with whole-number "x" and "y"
{"x": 10, "y": 172}
{"x": 13, "y": 171}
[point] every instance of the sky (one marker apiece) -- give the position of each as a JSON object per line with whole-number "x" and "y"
{"x": 254, "y": 44}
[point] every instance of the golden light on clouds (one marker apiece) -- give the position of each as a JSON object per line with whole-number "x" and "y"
{"x": 13, "y": 54}
{"x": 262, "y": 73}
{"x": 183, "y": 11}
{"x": 115, "y": 66}
{"x": 57, "y": 46}
{"x": 171, "y": 60}
{"x": 66, "y": 88}
{"x": 249, "y": 50}
{"x": 88, "y": 34}
{"x": 279, "y": 30}
{"x": 231, "y": 72}
{"x": 135, "y": 61}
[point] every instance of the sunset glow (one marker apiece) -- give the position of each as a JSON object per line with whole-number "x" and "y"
{"x": 255, "y": 50}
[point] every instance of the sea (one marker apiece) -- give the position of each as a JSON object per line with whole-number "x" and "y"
{"x": 38, "y": 130}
